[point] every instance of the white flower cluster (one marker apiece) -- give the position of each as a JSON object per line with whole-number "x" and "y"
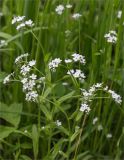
{"x": 54, "y": 64}
{"x": 111, "y": 37}
{"x": 7, "y": 78}
{"x": 29, "y": 81}
{"x": 78, "y": 57}
{"x": 60, "y": 8}
{"x": 88, "y": 95}
{"x": 85, "y": 108}
{"x": 19, "y": 58}
{"x": 21, "y": 22}
{"x": 115, "y": 96}
{"x": 27, "y": 67}
{"x": 76, "y": 16}
{"x": 77, "y": 74}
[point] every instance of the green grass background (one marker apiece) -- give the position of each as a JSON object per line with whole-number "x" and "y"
{"x": 87, "y": 38}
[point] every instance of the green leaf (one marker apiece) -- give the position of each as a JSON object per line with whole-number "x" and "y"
{"x": 74, "y": 136}
{"x": 24, "y": 157}
{"x": 5, "y": 131}
{"x": 67, "y": 96}
{"x": 57, "y": 147}
{"x": 46, "y": 112}
{"x": 35, "y": 139}
{"x": 12, "y": 113}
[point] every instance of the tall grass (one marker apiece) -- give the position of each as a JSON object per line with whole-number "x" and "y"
{"x": 22, "y": 133}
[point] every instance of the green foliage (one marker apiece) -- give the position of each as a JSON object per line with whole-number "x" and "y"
{"x": 28, "y": 130}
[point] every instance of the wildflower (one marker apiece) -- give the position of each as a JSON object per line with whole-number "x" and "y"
{"x": 85, "y": 108}
{"x": 3, "y": 42}
{"x": 54, "y": 64}
{"x": 31, "y": 63}
{"x": 119, "y": 14}
{"x": 109, "y": 135}
{"x": 59, "y": 9}
{"x": 58, "y": 123}
{"x": 33, "y": 76}
{"x": 77, "y": 74}
{"x": 115, "y": 96}
{"x": 19, "y": 58}
{"x": 111, "y": 37}
{"x": 25, "y": 69}
{"x": 68, "y": 60}
{"x": 76, "y": 16}
{"x": 18, "y": 19}
{"x": 22, "y": 25}
{"x": 105, "y": 88}
{"x": 24, "y": 80}
{"x": 68, "y": 6}
{"x": 7, "y": 78}
{"x": 95, "y": 120}
{"x": 32, "y": 96}
{"x": 100, "y": 127}
{"x": 78, "y": 57}
{"x": 29, "y": 23}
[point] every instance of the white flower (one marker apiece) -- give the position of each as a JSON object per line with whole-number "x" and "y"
{"x": 77, "y": 74}
{"x": 119, "y": 14}
{"x": 7, "y": 78}
{"x": 115, "y": 96}
{"x": 111, "y": 37}
{"x": 95, "y": 120}
{"x": 22, "y": 25}
{"x": 19, "y": 58}
{"x": 85, "y": 108}
{"x": 31, "y": 96}
{"x": 32, "y": 63}
{"x": 105, "y": 88}
{"x": 25, "y": 69}
{"x": 33, "y": 76}
{"x": 17, "y": 19}
{"x": 100, "y": 127}
{"x": 3, "y": 42}
{"x": 76, "y": 16}
{"x": 78, "y": 57}
{"x": 109, "y": 135}
{"x": 29, "y": 23}
{"x": 68, "y": 6}
{"x": 24, "y": 80}
{"x": 54, "y": 64}
{"x": 98, "y": 85}
{"x": 68, "y": 60}
{"x": 59, "y": 9}
{"x": 58, "y": 123}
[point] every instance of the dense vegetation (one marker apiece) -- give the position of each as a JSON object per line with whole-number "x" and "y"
{"x": 64, "y": 99}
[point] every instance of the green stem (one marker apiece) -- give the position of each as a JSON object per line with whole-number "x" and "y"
{"x": 79, "y": 139}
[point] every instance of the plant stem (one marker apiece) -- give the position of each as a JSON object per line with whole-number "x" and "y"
{"x": 79, "y": 139}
